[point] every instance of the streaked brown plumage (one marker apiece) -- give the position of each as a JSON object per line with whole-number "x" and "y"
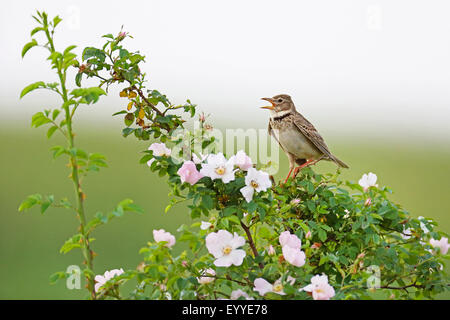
{"x": 296, "y": 135}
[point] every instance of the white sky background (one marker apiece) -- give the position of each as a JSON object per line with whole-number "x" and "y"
{"x": 350, "y": 65}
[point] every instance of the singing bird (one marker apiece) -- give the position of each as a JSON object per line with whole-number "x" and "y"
{"x": 297, "y": 137}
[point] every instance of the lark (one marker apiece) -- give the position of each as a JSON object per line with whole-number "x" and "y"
{"x": 298, "y": 138}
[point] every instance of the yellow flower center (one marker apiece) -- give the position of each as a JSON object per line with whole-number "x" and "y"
{"x": 277, "y": 287}
{"x": 254, "y": 184}
{"x": 220, "y": 170}
{"x": 226, "y": 251}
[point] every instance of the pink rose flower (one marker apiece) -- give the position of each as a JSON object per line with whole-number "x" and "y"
{"x": 189, "y": 173}
{"x": 291, "y": 248}
{"x": 294, "y": 256}
{"x": 100, "y": 280}
{"x": 162, "y": 235}
{"x": 236, "y": 294}
{"x": 242, "y": 160}
{"x": 441, "y": 244}
{"x": 319, "y": 288}
{"x": 262, "y": 286}
{"x": 291, "y": 240}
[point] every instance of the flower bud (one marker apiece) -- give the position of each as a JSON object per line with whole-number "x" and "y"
{"x": 308, "y": 235}
{"x": 271, "y": 250}
{"x": 121, "y": 35}
{"x": 368, "y": 202}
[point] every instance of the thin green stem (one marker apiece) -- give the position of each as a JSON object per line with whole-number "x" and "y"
{"x": 87, "y": 253}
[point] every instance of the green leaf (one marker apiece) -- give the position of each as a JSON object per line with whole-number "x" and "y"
{"x": 127, "y": 131}
{"x": 120, "y": 112}
{"x": 90, "y": 52}
{"x": 56, "y": 21}
{"x": 229, "y": 211}
{"x": 57, "y": 276}
{"x": 51, "y": 131}
{"x": 88, "y": 95}
{"x": 129, "y": 119}
{"x": 58, "y": 150}
{"x": 30, "y": 201}
{"x": 78, "y": 79}
{"x": 28, "y": 46}
{"x": 55, "y": 114}
{"x": 45, "y": 205}
{"x": 36, "y": 30}
{"x": 207, "y": 201}
{"x": 123, "y": 53}
{"x": 322, "y": 235}
{"x": 39, "y": 119}
{"x": 72, "y": 243}
{"x": 68, "y": 49}
{"x": 31, "y": 87}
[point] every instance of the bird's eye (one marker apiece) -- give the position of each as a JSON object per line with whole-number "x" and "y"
{"x": 280, "y": 100}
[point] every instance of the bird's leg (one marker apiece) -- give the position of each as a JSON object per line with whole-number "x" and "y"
{"x": 292, "y": 168}
{"x": 310, "y": 162}
{"x": 291, "y": 158}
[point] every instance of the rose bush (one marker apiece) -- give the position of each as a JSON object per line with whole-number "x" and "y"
{"x": 315, "y": 237}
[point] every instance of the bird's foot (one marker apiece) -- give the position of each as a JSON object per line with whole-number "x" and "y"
{"x": 310, "y": 162}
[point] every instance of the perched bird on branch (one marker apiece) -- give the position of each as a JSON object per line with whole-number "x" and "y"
{"x": 297, "y": 137}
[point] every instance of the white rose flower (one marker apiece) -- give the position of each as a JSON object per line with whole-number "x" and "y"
{"x": 224, "y": 247}
{"x": 207, "y": 276}
{"x": 217, "y": 167}
{"x": 159, "y": 150}
{"x": 205, "y": 225}
{"x": 368, "y": 180}
{"x": 108, "y": 275}
{"x": 255, "y": 180}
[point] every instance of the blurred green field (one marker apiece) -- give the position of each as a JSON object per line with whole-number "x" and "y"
{"x": 419, "y": 174}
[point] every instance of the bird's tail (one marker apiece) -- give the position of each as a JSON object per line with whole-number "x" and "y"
{"x": 338, "y": 162}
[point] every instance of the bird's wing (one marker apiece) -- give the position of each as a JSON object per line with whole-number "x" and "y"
{"x": 269, "y": 129}
{"x": 308, "y": 130}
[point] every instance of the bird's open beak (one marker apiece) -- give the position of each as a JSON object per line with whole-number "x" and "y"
{"x": 269, "y": 107}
